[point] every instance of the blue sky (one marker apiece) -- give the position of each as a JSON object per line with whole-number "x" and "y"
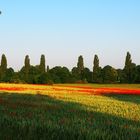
{"x": 65, "y": 29}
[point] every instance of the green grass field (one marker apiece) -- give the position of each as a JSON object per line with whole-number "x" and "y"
{"x": 46, "y": 114}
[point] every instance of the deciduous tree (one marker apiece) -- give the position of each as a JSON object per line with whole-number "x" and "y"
{"x": 110, "y": 75}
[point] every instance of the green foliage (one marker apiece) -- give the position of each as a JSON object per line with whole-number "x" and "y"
{"x": 60, "y": 74}
{"x": 137, "y": 74}
{"x": 96, "y": 62}
{"x": 45, "y": 78}
{"x": 80, "y": 74}
{"x": 48, "y": 68}
{"x": 27, "y": 62}
{"x": 3, "y": 63}
{"x": 110, "y": 75}
{"x": 121, "y": 75}
{"x": 42, "y": 66}
{"x": 97, "y": 71}
{"x": 26, "y": 68}
{"x": 17, "y": 78}
{"x": 80, "y": 64}
{"x": 9, "y": 74}
{"x": 3, "y": 67}
{"x": 33, "y": 75}
{"x": 129, "y": 69}
{"x": 75, "y": 74}
{"x": 86, "y": 75}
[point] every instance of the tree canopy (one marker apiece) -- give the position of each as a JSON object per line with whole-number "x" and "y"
{"x": 39, "y": 74}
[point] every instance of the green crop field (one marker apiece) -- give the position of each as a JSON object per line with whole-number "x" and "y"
{"x": 41, "y": 112}
{"x": 128, "y": 86}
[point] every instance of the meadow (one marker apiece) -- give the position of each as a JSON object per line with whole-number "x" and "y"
{"x": 70, "y": 111}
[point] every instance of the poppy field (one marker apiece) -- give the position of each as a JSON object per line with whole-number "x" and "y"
{"x": 70, "y": 111}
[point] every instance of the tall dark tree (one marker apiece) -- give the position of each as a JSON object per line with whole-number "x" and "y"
{"x": 3, "y": 67}
{"x": 80, "y": 64}
{"x": 128, "y": 69}
{"x": 42, "y": 64}
{"x": 27, "y": 67}
{"x": 3, "y": 63}
{"x": 27, "y": 62}
{"x": 128, "y": 61}
{"x": 96, "y": 70}
{"x": 48, "y": 68}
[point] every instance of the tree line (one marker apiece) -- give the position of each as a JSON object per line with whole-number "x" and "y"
{"x": 40, "y": 74}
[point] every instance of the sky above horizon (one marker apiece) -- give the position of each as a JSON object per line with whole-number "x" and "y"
{"x": 64, "y": 29}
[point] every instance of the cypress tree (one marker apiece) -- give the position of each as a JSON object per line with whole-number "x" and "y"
{"x": 42, "y": 64}
{"x": 27, "y": 62}
{"x": 3, "y": 67}
{"x": 97, "y": 74}
{"x": 27, "y": 67}
{"x": 128, "y": 61}
{"x": 3, "y": 63}
{"x": 95, "y": 68}
{"x": 128, "y": 68}
{"x": 80, "y": 64}
{"x": 96, "y": 62}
